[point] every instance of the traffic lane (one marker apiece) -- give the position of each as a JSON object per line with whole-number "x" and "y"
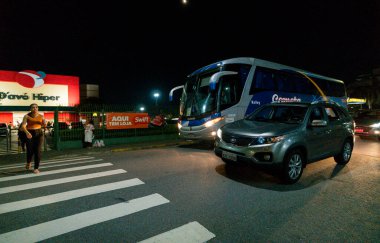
{"x": 247, "y": 204}
{"x": 367, "y": 146}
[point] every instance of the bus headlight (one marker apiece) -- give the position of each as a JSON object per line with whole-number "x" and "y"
{"x": 213, "y": 121}
{"x": 219, "y": 133}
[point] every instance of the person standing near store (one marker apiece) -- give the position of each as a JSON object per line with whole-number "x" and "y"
{"x": 32, "y": 125}
{"x": 89, "y": 133}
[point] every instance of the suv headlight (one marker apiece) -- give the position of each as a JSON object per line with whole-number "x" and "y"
{"x": 266, "y": 140}
{"x": 219, "y": 133}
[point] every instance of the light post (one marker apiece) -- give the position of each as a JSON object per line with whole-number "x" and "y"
{"x": 142, "y": 108}
{"x": 156, "y": 95}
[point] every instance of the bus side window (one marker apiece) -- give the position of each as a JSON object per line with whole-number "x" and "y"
{"x": 285, "y": 82}
{"x": 336, "y": 89}
{"x": 262, "y": 80}
{"x": 230, "y": 91}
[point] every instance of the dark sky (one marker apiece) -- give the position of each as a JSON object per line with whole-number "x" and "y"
{"x": 130, "y": 48}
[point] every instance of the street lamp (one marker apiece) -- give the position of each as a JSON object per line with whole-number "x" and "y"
{"x": 142, "y": 108}
{"x": 156, "y": 95}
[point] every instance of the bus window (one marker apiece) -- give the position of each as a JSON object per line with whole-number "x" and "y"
{"x": 285, "y": 83}
{"x": 336, "y": 89}
{"x": 263, "y": 80}
{"x": 230, "y": 90}
{"x": 242, "y": 69}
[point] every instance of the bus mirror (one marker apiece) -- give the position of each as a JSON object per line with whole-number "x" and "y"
{"x": 216, "y": 76}
{"x": 174, "y": 89}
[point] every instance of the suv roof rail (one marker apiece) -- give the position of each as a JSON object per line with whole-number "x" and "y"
{"x": 325, "y": 102}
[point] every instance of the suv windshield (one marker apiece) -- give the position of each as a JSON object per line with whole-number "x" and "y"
{"x": 283, "y": 114}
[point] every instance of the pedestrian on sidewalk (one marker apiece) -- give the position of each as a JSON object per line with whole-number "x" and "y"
{"x": 89, "y": 133}
{"x": 32, "y": 124}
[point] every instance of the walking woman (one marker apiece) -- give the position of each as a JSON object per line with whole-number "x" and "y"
{"x": 32, "y": 125}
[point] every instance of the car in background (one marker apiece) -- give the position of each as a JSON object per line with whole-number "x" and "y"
{"x": 288, "y": 136}
{"x": 3, "y": 129}
{"x": 368, "y": 124}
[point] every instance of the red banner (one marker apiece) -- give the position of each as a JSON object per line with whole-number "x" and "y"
{"x": 127, "y": 120}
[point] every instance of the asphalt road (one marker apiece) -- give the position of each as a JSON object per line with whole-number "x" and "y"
{"x": 172, "y": 187}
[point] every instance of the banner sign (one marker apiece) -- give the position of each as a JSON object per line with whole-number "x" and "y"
{"x": 127, "y": 120}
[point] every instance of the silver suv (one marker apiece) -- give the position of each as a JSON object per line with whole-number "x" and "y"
{"x": 288, "y": 135}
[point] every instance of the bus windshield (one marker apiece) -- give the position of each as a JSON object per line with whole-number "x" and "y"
{"x": 198, "y": 100}
{"x": 197, "y": 97}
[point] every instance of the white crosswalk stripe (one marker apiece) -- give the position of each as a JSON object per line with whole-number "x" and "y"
{"x": 59, "y": 197}
{"x": 77, "y": 221}
{"x": 46, "y": 162}
{"x": 191, "y": 232}
{"x": 9, "y": 178}
{"x": 59, "y": 181}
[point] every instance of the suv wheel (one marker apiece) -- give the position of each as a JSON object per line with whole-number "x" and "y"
{"x": 345, "y": 154}
{"x": 293, "y": 166}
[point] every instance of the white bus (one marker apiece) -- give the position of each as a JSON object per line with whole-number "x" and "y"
{"x": 231, "y": 89}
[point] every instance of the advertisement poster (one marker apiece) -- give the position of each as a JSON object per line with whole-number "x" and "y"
{"x": 127, "y": 120}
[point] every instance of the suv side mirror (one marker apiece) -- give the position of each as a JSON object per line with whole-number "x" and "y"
{"x": 319, "y": 123}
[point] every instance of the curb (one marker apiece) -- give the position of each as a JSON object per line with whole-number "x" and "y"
{"x": 152, "y": 146}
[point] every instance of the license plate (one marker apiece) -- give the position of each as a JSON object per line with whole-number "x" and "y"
{"x": 229, "y": 156}
{"x": 359, "y": 130}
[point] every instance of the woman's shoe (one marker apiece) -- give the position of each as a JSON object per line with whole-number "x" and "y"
{"x": 28, "y": 166}
{"x": 36, "y": 171}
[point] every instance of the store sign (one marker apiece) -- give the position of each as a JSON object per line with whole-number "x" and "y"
{"x": 26, "y": 87}
{"x": 127, "y": 120}
{"x": 14, "y": 94}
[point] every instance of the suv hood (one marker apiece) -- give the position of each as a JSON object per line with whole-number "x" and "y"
{"x": 256, "y": 128}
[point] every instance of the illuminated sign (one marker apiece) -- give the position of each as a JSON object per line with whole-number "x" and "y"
{"x": 47, "y": 95}
{"x": 26, "y": 87}
{"x": 127, "y": 120}
{"x": 356, "y": 101}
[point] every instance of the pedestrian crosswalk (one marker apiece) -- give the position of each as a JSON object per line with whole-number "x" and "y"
{"x": 10, "y": 187}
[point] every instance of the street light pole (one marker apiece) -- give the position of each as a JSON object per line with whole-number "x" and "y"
{"x": 156, "y": 95}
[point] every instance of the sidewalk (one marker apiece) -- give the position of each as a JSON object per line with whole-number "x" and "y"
{"x": 20, "y": 158}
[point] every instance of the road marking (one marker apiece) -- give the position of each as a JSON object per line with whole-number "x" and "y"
{"x": 64, "y": 196}
{"x": 52, "y": 172}
{"x": 50, "y": 165}
{"x": 59, "y": 181}
{"x": 188, "y": 233}
{"x": 46, "y": 162}
{"x": 64, "y": 225}
{"x": 71, "y": 163}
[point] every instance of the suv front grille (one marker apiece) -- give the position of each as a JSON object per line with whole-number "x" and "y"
{"x": 236, "y": 140}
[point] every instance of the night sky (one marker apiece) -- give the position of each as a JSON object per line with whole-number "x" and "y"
{"x": 131, "y": 48}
